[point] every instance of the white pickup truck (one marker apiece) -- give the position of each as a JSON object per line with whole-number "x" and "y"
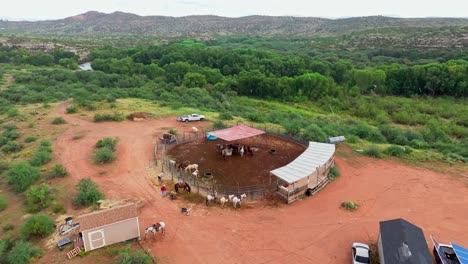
{"x": 192, "y": 117}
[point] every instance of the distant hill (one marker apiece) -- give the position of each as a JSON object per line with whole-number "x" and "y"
{"x": 119, "y": 23}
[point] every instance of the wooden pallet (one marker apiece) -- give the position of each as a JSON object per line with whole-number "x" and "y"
{"x": 73, "y": 252}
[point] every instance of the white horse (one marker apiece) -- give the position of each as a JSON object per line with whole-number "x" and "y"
{"x": 160, "y": 226}
{"x": 194, "y": 129}
{"x": 191, "y": 167}
{"x": 211, "y": 198}
{"x": 241, "y": 151}
{"x": 195, "y": 174}
{"x": 223, "y": 200}
{"x": 237, "y": 200}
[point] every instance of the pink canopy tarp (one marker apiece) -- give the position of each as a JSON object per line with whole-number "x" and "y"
{"x": 236, "y": 133}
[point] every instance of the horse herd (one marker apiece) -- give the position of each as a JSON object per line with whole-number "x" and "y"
{"x": 230, "y": 149}
{"x": 235, "y": 199}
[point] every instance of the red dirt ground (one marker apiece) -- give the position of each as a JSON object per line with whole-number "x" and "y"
{"x": 247, "y": 170}
{"x": 314, "y": 230}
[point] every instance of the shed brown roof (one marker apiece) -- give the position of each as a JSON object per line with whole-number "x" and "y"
{"x": 106, "y": 217}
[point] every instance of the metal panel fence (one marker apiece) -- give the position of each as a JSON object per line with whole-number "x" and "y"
{"x": 206, "y": 186}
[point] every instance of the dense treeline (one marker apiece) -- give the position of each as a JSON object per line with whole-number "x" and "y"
{"x": 21, "y": 56}
{"x": 182, "y": 75}
{"x": 267, "y": 74}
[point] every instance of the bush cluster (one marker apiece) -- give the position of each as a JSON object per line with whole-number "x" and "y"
{"x": 39, "y": 225}
{"x": 116, "y": 117}
{"x": 349, "y": 205}
{"x": 22, "y": 175}
{"x": 38, "y": 197}
{"x": 30, "y": 139}
{"x": 3, "y": 203}
{"x": 88, "y": 193}
{"x": 373, "y": 151}
{"x": 105, "y": 152}
{"x": 19, "y": 252}
{"x": 57, "y": 171}
{"x": 59, "y": 121}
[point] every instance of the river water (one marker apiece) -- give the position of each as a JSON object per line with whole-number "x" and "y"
{"x": 86, "y": 66}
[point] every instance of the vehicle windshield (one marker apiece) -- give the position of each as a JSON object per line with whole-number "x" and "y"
{"x": 362, "y": 259}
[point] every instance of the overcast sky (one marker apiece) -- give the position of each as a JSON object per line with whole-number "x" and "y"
{"x": 55, "y": 9}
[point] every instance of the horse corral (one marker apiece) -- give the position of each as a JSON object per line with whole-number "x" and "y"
{"x": 267, "y": 153}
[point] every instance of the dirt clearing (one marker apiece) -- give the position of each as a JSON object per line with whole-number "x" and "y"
{"x": 314, "y": 230}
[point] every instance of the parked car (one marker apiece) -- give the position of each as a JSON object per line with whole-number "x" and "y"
{"x": 450, "y": 255}
{"x": 192, "y": 117}
{"x": 360, "y": 253}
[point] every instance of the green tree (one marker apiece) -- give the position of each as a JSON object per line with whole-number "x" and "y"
{"x": 22, "y": 175}
{"x": 193, "y": 79}
{"x": 312, "y": 85}
{"x": 176, "y": 72}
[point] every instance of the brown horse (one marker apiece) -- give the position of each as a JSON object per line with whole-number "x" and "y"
{"x": 182, "y": 185}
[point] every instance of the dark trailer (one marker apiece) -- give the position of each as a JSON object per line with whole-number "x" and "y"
{"x": 401, "y": 242}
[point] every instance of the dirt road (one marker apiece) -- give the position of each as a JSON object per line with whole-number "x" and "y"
{"x": 314, "y": 230}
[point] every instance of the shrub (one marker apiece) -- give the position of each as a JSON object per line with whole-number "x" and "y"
{"x": 394, "y": 135}
{"x": 314, "y": 133}
{"x": 3, "y": 140}
{"x": 10, "y": 127}
{"x": 116, "y": 117}
{"x": 38, "y": 197}
{"x": 103, "y": 155}
{"x": 172, "y": 131}
{"x": 45, "y": 143}
{"x": 58, "y": 208}
{"x": 334, "y": 173}
{"x": 72, "y": 109}
{"x": 22, "y": 175}
{"x": 59, "y": 121}
{"x": 88, "y": 193}
{"x": 11, "y": 134}
{"x": 418, "y": 144}
{"x": 6, "y": 244}
{"x": 349, "y": 205}
{"x": 373, "y": 151}
{"x": 29, "y": 139}
{"x": 218, "y": 124}
{"x": 39, "y": 225}
{"x": 40, "y": 158}
{"x": 367, "y": 132}
{"x": 292, "y": 127}
{"x": 22, "y": 253}
{"x": 109, "y": 143}
{"x": 226, "y": 116}
{"x": 352, "y": 139}
{"x": 12, "y": 112}
{"x": 11, "y": 147}
{"x": 57, "y": 171}
{"x": 4, "y": 166}
{"x": 3, "y": 203}
{"x": 394, "y": 150}
{"x": 8, "y": 227}
{"x": 139, "y": 257}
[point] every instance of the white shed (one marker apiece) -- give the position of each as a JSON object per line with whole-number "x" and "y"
{"x": 309, "y": 170}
